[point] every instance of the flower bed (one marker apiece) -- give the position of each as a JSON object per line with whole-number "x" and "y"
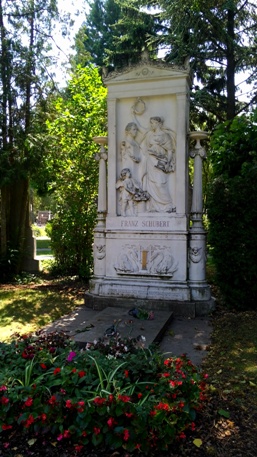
{"x": 127, "y": 397}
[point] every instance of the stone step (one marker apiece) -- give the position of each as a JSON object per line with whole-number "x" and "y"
{"x": 126, "y": 325}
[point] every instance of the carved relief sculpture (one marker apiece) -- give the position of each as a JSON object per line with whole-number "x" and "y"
{"x": 130, "y": 193}
{"x": 100, "y": 251}
{"x": 130, "y": 150}
{"x": 150, "y": 163}
{"x": 152, "y": 261}
{"x": 159, "y": 161}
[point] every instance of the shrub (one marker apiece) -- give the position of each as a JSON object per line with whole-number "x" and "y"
{"x": 232, "y": 211}
{"x": 136, "y": 401}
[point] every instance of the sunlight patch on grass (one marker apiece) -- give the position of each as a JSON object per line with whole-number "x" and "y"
{"x": 27, "y": 310}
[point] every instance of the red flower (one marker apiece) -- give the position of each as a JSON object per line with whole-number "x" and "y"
{"x": 52, "y": 400}
{"x": 182, "y": 435}
{"x": 6, "y": 427}
{"x": 81, "y": 405}
{"x": 78, "y": 447}
{"x": 68, "y": 404}
{"x": 111, "y": 422}
{"x": 140, "y": 395}
{"x": 124, "y": 398}
{"x": 162, "y": 406}
{"x": 4, "y": 400}
{"x": 3, "y": 388}
{"x": 129, "y": 415}
{"x": 193, "y": 426}
{"x": 66, "y": 434}
{"x": 97, "y": 431}
{"x": 29, "y": 402}
{"x": 165, "y": 375}
{"x": 152, "y": 413}
{"x": 81, "y": 374}
{"x": 57, "y": 370}
{"x": 43, "y": 417}
{"x": 29, "y": 421}
{"x": 111, "y": 398}
{"x": 181, "y": 404}
{"x": 43, "y": 366}
{"x": 126, "y": 373}
{"x": 126, "y": 434}
{"x": 73, "y": 370}
{"x": 99, "y": 401}
{"x": 84, "y": 433}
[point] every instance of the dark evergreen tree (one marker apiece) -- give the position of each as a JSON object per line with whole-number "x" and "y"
{"x": 114, "y": 35}
{"x": 24, "y": 27}
{"x": 219, "y": 39}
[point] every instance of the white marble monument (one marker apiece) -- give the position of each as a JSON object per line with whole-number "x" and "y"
{"x": 145, "y": 250}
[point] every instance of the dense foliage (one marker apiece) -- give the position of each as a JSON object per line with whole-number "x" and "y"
{"x": 139, "y": 400}
{"x": 79, "y": 116}
{"x": 232, "y": 210}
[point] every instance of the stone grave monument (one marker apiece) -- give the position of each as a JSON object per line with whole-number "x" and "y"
{"x": 149, "y": 242}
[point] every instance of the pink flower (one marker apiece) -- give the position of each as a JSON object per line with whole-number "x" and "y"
{"x": 71, "y": 356}
{"x": 3, "y": 388}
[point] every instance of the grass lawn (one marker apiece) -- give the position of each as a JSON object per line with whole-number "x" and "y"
{"x": 44, "y": 247}
{"x": 28, "y": 308}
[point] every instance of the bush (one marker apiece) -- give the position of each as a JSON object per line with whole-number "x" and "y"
{"x": 138, "y": 400}
{"x": 232, "y": 211}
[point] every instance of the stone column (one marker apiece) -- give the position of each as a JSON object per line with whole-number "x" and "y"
{"x": 197, "y": 235}
{"x": 101, "y": 156}
{"x": 100, "y": 236}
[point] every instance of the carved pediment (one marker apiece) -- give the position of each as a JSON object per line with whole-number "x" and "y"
{"x": 147, "y": 69}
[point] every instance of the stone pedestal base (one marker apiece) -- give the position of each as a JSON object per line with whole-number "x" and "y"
{"x": 151, "y": 293}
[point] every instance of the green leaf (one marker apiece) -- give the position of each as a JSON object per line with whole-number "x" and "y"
{"x": 224, "y": 413}
{"x": 197, "y": 442}
{"x": 32, "y": 441}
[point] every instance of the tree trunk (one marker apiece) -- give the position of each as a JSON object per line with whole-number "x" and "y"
{"x": 231, "y": 66}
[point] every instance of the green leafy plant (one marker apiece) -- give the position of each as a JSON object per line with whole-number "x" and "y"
{"x": 135, "y": 401}
{"x": 232, "y": 210}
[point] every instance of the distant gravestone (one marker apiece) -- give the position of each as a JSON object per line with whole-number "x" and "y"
{"x": 144, "y": 248}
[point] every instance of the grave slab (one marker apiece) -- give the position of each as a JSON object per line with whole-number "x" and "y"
{"x": 126, "y": 325}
